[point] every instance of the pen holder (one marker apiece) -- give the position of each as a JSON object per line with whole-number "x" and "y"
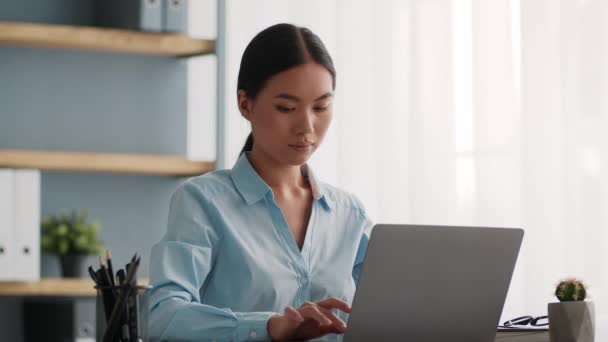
{"x": 133, "y": 321}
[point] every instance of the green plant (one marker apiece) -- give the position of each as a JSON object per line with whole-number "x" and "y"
{"x": 71, "y": 233}
{"x": 570, "y": 290}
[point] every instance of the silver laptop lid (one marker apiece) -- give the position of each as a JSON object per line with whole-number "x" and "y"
{"x": 433, "y": 283}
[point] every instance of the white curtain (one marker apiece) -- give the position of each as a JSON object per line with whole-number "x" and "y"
{"x": 466, "y": 112}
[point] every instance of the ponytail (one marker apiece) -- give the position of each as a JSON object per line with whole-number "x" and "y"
{"x": 248, "y": 144}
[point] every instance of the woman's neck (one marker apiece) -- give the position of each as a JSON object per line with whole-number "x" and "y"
{"x": 280, "y": 177}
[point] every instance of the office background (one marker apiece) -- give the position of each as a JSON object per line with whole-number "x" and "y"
{"x": 466, "y": 112}
{"x": 469, "y": 112}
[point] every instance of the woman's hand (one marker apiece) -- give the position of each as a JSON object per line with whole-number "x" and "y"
{"x": 311, "y": 320}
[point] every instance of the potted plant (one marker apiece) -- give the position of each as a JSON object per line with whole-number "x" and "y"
{"x": 572, "y": 319}
{"x": 72, "y": 238}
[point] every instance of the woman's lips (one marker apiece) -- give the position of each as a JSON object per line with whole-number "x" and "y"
{"x": 301, "y": 147}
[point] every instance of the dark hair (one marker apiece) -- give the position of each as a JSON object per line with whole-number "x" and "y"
{"x": 274, "y": 50}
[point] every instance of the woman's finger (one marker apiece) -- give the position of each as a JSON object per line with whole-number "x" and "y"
{"x": 311, "y": 311}
{"x": 334, "y": 303}
{"x": 335, "y": 320}
{"x": 293, "y": 315}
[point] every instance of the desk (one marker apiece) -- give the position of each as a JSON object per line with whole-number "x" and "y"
{"x": 52, "y": 287}
{"x": 73, "y": 289}
{"x": 534, "y": 336}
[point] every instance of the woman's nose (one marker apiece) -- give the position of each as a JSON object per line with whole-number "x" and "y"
{"x": 306, "y": 122}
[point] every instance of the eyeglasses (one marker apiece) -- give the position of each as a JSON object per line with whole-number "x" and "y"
{"x": 526, "y": 320}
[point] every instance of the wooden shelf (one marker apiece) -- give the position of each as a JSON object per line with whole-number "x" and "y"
{"x": 52, "y": 287}
{"x": 146, "y": 164}
{"x": 102, "y": 39}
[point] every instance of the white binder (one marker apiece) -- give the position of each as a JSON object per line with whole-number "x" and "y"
{"x": 27, "y": 225}
{"x": 7, "y": 214}
{"x": 175, "y": 16}
{"x": 150, "y": 15}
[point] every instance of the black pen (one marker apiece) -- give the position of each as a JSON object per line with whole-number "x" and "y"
{"x": 121, "y": 277}
{"x": 93, "y": 275}
{"x": 119, "y": 306}
{"x": 132, "y": 308}
{"x": 106, "y": 294}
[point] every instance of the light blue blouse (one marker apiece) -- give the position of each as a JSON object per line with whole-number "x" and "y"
{"x": 229, "y": 261}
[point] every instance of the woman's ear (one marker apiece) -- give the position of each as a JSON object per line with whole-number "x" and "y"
{"x": 244, "y": 104}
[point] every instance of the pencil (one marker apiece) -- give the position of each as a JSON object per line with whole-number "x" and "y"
{"x": 119, "y": 306}
{"x": 93, "y": 276}
{"x": 104, "y": 271}
{"x": 110, "y": 269}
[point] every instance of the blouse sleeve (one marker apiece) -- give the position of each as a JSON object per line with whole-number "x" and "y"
{"x": 179, "y": 265}
{"x": 366, "y": 225}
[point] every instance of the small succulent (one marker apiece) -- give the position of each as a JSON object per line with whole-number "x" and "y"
{"x": 570, "y": 290}
{"x": 68, "y": 234}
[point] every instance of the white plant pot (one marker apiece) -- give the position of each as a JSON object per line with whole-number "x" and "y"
{"x": 572, "y": 322}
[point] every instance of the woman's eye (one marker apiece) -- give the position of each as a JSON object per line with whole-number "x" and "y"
{"x": 284, "y": 109}
{"x": 321, "y": 109}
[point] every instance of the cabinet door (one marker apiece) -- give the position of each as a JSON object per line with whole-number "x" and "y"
{"x": 27, "y": 224}
{"x": 7, "y": 214}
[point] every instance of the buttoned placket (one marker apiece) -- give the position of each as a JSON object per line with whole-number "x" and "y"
{"x": 300, "y": 259}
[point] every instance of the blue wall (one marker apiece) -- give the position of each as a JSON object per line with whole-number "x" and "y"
{"x": 92, "y": 101}
{"x": 71, "y": 12}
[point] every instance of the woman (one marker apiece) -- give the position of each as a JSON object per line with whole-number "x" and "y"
{"x": 264, "y": 250}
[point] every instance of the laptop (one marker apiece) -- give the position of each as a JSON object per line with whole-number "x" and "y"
{"x": 433, "y": 283}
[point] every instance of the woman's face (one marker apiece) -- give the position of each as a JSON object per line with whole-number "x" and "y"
{"x": 291, "y": 114}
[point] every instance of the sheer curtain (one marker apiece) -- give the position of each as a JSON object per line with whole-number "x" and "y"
{"x": 466, "y": 112}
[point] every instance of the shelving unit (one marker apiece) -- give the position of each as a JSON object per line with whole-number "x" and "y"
{"x": 148, "y": 73}
{"x": 102, "y": 39}
{"x": 103, "y": 162}
{"x": 52, "y": 287}
{"x": 111, "y": 40}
